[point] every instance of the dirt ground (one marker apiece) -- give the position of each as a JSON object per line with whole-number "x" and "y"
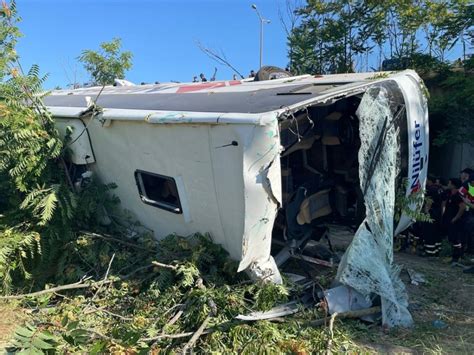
{"x": 10, "y": 317}
{"x": 447, "y": 296}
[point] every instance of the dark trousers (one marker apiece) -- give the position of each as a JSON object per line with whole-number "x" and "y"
{"x": 469, "y": 231}
{"x": 428, "y": 234}
{"x": 457, "y": 238}
{"x": 431, "y": 238}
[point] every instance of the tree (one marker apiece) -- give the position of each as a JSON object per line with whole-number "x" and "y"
{"x": 9, "y": 34}
{"x": 458, "y": 24}
{"x": 331, "y": 36}
{"x": 289, "y": 18}
{"x": 452, "y": 106}
{"x": 40, "y": 209}
{"x": 108, "y": 63}
{"x": 31, "y": 175}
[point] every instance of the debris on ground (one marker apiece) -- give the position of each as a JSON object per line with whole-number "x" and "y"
{"x": 139, "y": 295}
{"x": 343, "y": 299}
{"x": 416, "y": 278}
{"x": 191, "y": 292}
{"x": 439, "y": 324}
{"x": 276, "y": 312}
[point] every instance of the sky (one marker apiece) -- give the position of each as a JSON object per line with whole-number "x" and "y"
{"x": 161, "y": 34}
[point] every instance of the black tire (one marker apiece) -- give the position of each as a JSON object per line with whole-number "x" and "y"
{"x": 269, "y": 73}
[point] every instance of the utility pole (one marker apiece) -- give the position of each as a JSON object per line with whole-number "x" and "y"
{"x": 262, "y": 22}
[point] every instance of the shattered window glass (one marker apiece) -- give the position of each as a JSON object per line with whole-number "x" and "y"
{"x": 367, "y": 265}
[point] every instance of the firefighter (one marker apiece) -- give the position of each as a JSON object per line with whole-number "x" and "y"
{"x": 453, "y": 218}
{"x": 467, "y": 194}
{"x": 430, "y": 231}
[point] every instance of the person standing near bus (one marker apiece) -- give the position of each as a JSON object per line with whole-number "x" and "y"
{"x": 453, "y": 219}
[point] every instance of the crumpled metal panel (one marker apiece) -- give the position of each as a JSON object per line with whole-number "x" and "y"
{"x": 261, "y": 173}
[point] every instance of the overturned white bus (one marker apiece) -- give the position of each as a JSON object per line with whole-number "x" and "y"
{"x": 248, "y": 161}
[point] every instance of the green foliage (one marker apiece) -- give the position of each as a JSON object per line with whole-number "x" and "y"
{"x": 269, "y": 294}
{"x": 108, "y": 63}
{"x": 452, "y": 106}
{"x": 337, "y": 36}
{"x": 130, "y": 314}
{"x": 41, "y": 213}
{"x": 411, "y": 205}
{"x": 457, "y": 22}
{"x": 30, "y": 181}
{"x": 28, "y": 141}
{"x": 44, "y": 201}
{"x": 329, "y": 37}
{"x": 38, "y": 249}
{"x": 19, "y": 247}
{"x": 94, "y": 202}
{"x": 9, "y": 34}
{"x": 424, "y": 64}
{"x": 33, "y": 340}
{"x": 340, "y": 36}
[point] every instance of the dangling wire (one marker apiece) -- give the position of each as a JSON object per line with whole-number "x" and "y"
{"x": 311, "y": 122}
{"x": 295, "y": 120}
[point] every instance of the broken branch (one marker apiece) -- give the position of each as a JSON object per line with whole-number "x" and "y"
{"x": 222, "y": 326}
{"x": 105, "y": 277}
{"x": 96, "y": 309}
{"x": 112, "y": 239}
{"x": 172, "y": 336}
{"x": 219, "y": 59}
{"x": 174, "y": 319}
{"x": 76, "y": 285}
{"x": 196, "y": 335}
{"x": 331, "y": 333}
{"x": 166, "y": 266}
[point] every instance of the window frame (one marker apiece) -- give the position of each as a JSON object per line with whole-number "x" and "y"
{"x": 176, "y": 209}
